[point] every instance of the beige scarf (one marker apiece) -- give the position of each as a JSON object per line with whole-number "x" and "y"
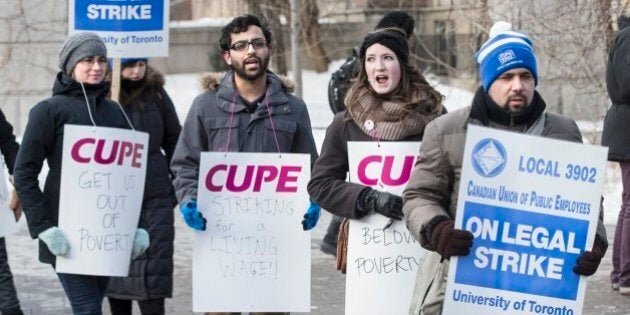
{"x": 397, "y": 123}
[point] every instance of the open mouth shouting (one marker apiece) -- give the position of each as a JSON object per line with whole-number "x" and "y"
{"x": 252, "y": 63}
{"x": 382, "y": 79}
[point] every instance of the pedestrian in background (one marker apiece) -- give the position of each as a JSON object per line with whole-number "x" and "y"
{"x": 79, "y": 98}
{"x": 617, "y": 138}
{"x": 150, "y": 110}
{"x": 389, "y": 101}
{"x": 9, "y": 302}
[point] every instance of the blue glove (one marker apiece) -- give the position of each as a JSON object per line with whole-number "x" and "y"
{"x": 311, "y": 217}
{"x": 56, "y": 241}
{"x": 192, "y": 216}
{"x": 140, "y": 243}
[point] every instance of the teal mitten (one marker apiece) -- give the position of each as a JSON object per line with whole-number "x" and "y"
{"x": 140, "y": 243}
{"x": 56, "y": 241}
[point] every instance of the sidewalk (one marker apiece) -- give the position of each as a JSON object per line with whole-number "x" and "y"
{"x": 40, "y": 292}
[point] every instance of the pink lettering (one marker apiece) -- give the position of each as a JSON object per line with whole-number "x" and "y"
{"x": 285, "y": 178}
{"x": 125, "y": 151}
{"x": 74, "y": 153}
{"x": 247, "y": 179}
{"x": 253, "y": 178}
{"x": 118, "y": 149}
{"x": 405, "y": 173}
{"x": 271, "y": 172}
{"x": 98, "y": 155}
{"x": 209, "y": 185}
{"x": 363, "y": 165}
{"x": 137, "y": 155}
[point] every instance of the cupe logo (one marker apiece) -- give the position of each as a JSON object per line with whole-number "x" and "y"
{"x": 489, "y": 157}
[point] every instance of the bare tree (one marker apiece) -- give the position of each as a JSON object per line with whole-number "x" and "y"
{"x": 311, "y": 36}
{"x": 272, "y": 10}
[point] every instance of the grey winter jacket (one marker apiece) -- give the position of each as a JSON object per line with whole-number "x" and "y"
{"x": 218, "y": 118}
{"x": 615, "y": 134}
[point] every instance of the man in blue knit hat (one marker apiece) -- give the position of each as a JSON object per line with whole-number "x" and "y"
{"x": 506, "y": 100}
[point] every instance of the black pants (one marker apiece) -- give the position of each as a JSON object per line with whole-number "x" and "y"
{"x": 148, "y": 307}
{"x": 9, "y": 303}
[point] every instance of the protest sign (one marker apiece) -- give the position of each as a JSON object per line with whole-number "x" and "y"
{"x": 253, "y": 255}
{"x": 382, "y": 263}
{"x": 8, "y": 225}
{"x": 102, "y": 183}
{"x": 532, "y": 204}
{"x": 129, "y": 28}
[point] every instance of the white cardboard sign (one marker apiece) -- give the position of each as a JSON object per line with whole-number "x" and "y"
{"x": 253, "y": 255}
{"x": 382, "y": 263}
{"x": 102, "y": 184}
{"x": 8, "y": 225}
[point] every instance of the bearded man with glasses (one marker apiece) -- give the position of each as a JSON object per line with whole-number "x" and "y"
{"x": 247, "y": 109}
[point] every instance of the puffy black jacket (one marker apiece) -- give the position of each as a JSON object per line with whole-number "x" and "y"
{"x": 43, "y": 140}
{"x": 151, "y": 110}
{"x": 615, "y": 134}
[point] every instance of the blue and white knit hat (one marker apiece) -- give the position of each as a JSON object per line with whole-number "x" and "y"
{"x": 505, "y": 50}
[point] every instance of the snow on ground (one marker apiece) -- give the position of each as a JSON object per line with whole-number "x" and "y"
{"x": 183, "y": 88}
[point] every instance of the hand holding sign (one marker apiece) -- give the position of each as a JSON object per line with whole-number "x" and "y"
{"x": 192, "y": 216}
{"x": 311, "y": 217}
{"x": 589, "y": 261}
{"x": 448, "y": 241}
{"x": 382, "y": 202}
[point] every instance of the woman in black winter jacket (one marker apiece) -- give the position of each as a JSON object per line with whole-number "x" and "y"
{"x": 79, "y": 98}
{"x": 151, "y": 110}
{"x": 617, "y": 138}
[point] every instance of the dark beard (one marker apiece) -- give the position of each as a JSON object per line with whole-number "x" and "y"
{"x": 240, "y": 70}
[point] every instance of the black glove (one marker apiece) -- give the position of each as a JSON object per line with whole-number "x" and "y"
{"x": 384, "y": 203}
{"x": 448, "y": 241}
{"x": 588, "y": 261}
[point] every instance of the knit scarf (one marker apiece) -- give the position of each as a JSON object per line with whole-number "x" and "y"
{"x": 486, "y": 110}
{"x": 389, "y": 121}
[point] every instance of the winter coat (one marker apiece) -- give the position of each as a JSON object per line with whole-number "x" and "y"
{"x": 151, "y": 110}
{"x": 434, "y": 186}
{"x": 43, "y": 140}
{"x": 615, "y": 134}
{"x": 328, "y": 186}
{"x": 209, "y": 123}
{"x": 8, "y": 146}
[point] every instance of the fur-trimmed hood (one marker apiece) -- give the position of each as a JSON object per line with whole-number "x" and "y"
{"x": 210, "y": 81}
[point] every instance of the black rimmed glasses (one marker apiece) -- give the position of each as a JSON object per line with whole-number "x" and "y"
{"x": 242, "y": 45}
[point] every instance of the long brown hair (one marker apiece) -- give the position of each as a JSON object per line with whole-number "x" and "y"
{"x": 416, "y": 95}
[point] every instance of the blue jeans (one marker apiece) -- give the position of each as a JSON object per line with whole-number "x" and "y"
{"x": 84, "y": 292}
